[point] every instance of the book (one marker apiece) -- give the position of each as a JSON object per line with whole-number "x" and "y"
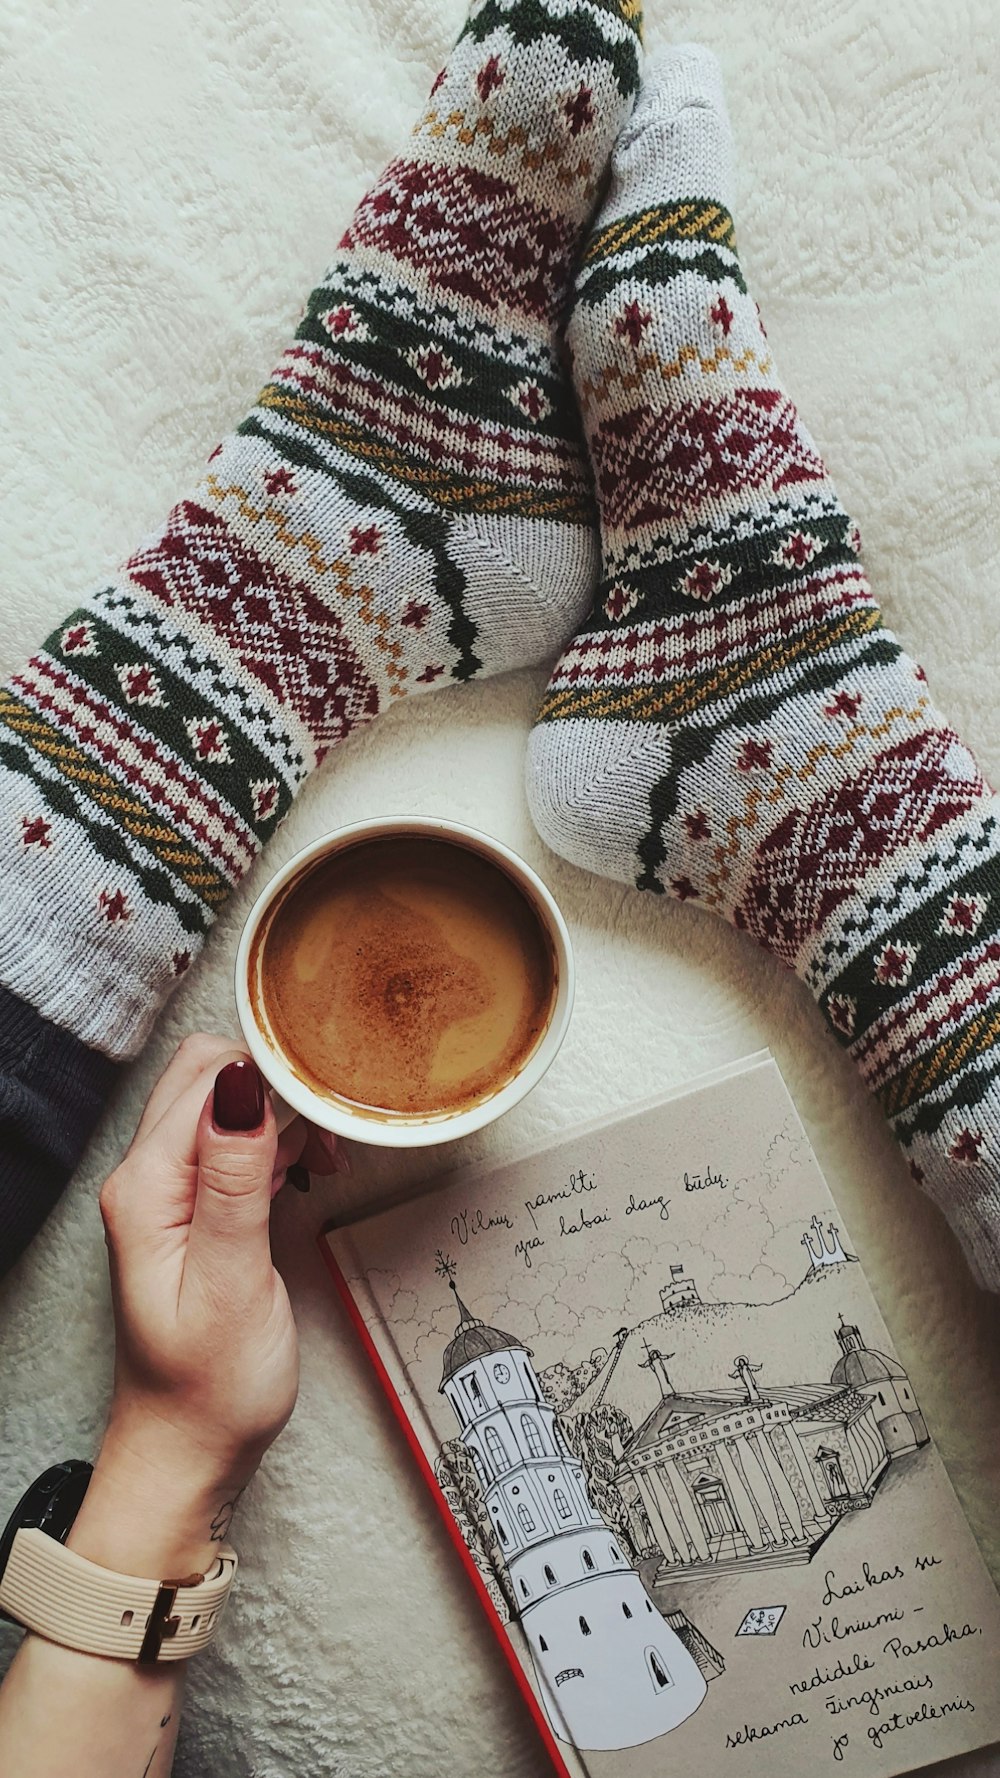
{"x": 689, "y": 1478}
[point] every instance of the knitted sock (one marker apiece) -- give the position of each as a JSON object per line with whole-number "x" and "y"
{"x": 734, "y": 726}
{"x": 406, "y": 505}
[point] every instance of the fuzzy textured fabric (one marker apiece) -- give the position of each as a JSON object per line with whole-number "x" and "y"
{"x": 406, "y": 505}
{"x": 734, "y": 725}
{"x": 165, "y": 177}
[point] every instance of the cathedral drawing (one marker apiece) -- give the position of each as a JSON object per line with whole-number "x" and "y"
{"x": 759, "y": 1475}
{"x": 611, "y": 1671}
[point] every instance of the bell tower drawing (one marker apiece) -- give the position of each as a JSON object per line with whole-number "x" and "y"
{"x": 611, "y": 1671}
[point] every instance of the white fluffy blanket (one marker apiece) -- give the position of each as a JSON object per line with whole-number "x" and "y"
{"x": 172, "y": 179}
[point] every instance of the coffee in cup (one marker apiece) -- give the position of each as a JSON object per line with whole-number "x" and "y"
{"x": 410, "y": 976}
{"x": 405, "y": 976}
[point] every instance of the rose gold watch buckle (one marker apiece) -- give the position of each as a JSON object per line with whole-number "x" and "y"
{"x": 161, "y": 1626}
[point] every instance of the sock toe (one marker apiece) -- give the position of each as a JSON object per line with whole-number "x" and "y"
{"x": 685, "y": 74}
{"x": 682, "y": 94}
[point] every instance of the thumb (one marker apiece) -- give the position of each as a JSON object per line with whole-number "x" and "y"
{"x": 236, "y": 1145}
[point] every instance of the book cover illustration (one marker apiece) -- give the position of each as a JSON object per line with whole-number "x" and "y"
{"x": 694, "y": 1476}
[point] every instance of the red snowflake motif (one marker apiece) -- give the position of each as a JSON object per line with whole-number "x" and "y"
{"x": 79, "y": 639}
{"x": 797, "y": 550}
{"x": 180, "y": 962}
{"x": 416, "y": 614}
{"x": 854, "y": 539}
{"x": 345, "y": 324}
{"x": 753, "y": 754}
{"x": 216, "y": 453}
{"x": 684, "y": 889}
{"x": 697, "y": 825}
{"x": 429, "y": 674}
{"x": 438, "y": 81}
{"x": 620, "y": 602}
{"x": 113, "y": 906}
{"x": 722, "y": 315}
{"x": 264, "y": 796}
{"x": 968, "y": 1146}
{"x": 366, "y": 541}
{"x": 531, "y": 399}
{"x": 706, "y": 579}
{"x": 894, "y": 964}
{"x": 490, "y": 76}
{"x": 579, "y": 110}
{"x": 846, "y": 703}
{"x": 632, "y": 323}
{"x": 279, "y": 481}
{"x": 35, "y": 831}
{"x": 139, "y": 684}
{"x": 963, "y": 914}
{"x": 842, "y": 1011}
{"x": 435, "y": 367}
{"x": 209, "y": 740}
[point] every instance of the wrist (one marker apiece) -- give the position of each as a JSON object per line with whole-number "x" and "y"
{"x": 151, "y": 1518}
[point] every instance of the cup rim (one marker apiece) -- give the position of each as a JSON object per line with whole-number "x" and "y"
{"x": 442, "y": 1127}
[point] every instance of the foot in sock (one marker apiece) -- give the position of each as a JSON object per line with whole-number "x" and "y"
{"x": 734, "y": 726}
{"x": 407, "y": 505}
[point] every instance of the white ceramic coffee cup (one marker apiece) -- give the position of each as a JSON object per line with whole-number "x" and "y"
{"x": 396, "y": 1130}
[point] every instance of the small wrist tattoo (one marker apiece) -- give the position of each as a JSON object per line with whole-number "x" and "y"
{"x": 219, "y": 1529}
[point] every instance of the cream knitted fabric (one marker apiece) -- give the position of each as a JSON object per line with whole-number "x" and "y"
{"x": 733, "y": 725}
{"x": 406, "y": 506}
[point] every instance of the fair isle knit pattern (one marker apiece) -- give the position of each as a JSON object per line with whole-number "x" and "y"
{"x": 734, "y": 726}
{"x": 406, "y": 506}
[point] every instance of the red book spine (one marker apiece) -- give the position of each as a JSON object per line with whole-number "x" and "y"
{"x": 465, "y": 1555}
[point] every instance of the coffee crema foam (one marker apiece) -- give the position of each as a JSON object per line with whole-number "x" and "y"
{"x": 405, "y": 976}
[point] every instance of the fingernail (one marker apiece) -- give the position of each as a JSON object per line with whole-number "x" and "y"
{"x": 238, "y": 1099}
{"x": 298, "y": 1176}
{"x": 343, "y": 1161}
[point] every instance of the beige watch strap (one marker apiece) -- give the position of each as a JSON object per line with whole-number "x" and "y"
{"x": 63, "y": 1597}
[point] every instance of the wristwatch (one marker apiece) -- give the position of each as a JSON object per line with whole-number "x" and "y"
{"x": 67, "y": 1599}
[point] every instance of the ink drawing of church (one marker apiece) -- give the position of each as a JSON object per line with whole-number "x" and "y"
{"x": 759, "y": 1475}
{"x": 611, "y": 1671}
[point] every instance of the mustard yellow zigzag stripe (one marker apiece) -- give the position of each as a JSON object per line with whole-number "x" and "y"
{"x": 163, "y": 841}
{"x": 757, "y": 796}
{"x": 346, "y": 588}
{"x": 668, "y": 369}
{"x": 580, "y": 172}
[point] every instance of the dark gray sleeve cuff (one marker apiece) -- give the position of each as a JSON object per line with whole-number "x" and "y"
{"x": 52, "y": 1092}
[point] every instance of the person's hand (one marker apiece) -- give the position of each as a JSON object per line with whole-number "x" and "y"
{"x": 206, "y": 1366}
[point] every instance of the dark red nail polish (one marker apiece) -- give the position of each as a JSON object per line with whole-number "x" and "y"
{"x": 238, "y": 1100}
{"x": 298, "y": 1176}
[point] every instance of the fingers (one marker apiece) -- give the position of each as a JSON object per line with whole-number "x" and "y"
{"x": 199, "y": 1052}
{"x": 323, "y": 1152}
{"x": 236, "y": 1142}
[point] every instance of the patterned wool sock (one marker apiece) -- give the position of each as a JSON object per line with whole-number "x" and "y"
{"x": 734, "y": 726}
{"x": 407, "y": 505}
